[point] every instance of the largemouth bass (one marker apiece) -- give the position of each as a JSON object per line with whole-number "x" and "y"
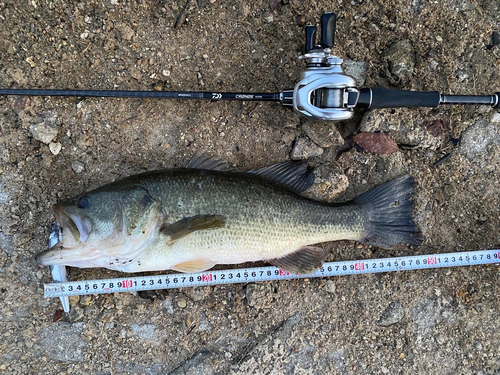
{"x": 192, "y": 218}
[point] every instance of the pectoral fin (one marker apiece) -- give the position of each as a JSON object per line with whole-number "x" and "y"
{"x": 189, "y": 225}
{"x": 305, "y": 260}
{"x": 195, "y": 265}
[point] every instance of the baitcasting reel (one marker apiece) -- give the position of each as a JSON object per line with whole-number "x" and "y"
{"x": 324, "y": 93}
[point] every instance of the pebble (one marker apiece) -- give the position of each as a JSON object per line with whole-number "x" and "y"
{"x": 259, "y": 295}
{"x": 55, "y": 147}
{"x": 477, "y": 139}
{"x": 304, "y": 148}
{"x": 77, "y": 166}
{"x": 330, "y": 286}
{"x": 45, "y": 131}
{"x": 181, "y": 302}
{"x": 356, "y": 69}
{"x": 76, "y": 314}
{"x": 268, "y": 17}
{"x": 300, "y": 20}
{"x": 400, "y": 58}
{"x": 324, "y": 134}
{"x": 391, "y": 315}
{"x": 495, "y": 118}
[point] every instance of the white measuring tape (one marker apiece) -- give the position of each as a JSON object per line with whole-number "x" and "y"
{"x": 257, "y": 274}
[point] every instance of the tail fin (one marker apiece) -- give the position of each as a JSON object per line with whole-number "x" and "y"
{"x": 387, "y": 211}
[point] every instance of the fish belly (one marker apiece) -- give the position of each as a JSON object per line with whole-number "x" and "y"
{"x": 241, "y": 242}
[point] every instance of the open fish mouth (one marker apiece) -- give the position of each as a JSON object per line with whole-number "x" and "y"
{"x": 74, "y": 228}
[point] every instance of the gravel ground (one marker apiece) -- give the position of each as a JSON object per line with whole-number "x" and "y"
{"x": 434, "y": 321}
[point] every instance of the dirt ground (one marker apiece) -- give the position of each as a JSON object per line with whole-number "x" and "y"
{"x": 441, "y": 321}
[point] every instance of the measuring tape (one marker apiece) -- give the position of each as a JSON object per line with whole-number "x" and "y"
{"x": 257, "y": 274}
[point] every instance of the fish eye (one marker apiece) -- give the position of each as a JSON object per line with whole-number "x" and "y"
{"x": 83, "y": 202}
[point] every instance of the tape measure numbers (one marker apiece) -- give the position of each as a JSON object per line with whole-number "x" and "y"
{"x": 257, "y": 274}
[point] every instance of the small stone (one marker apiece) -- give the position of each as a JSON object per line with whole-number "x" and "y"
{"x": 126, "y": 31}
{"x": 181, "y": 302}
{"x": 30, "y": 60}
{"x": 304, "y": 148}
{"x": 356, "y": 69}
{"x": 76, "y": 314}
{"x": 391, "y": 315}
{"x": 324, "y": 134}
{"x": 45, "y": 131}
{"x": 400, "y": 60}
{"x": 300, "y": 20}
{"x": 73, "y": 300}
{"x": 166, "y": 72}
{"x": 495, "y": 118}
{"x": 77, "y": 166}
{"x": 330, "y": 182}
{"x": 268, "y": 17}
{"x": 55, "y": 147}
{"x": 477, "y": 139}
{"x": 330, "y": 286}
{"x": 197, "y": 294}
{"x": 259, "y": 295}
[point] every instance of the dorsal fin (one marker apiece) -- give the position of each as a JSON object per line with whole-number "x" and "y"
{"x": 203, "y": 162}
{"x": 296, "y": 175}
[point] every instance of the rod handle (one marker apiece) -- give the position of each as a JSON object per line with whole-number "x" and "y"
{"x": 379, "y": 97}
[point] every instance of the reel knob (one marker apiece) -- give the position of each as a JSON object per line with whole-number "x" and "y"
{"x": 328, "y": 26}
{"x": 310, "y": 37}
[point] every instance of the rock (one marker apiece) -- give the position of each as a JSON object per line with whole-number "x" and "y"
{"x": 63, "y": 341}
{"x": 181, "y": 302}
{"x": 268, "y": 17}
{"x": 357, "y": 69}
{"x": 259, "y": 295}
{"x": 46, "y": 130}
{"x": 330, "y": 183}
{"x": 145, "y": 331}
{"x": 197, "y": 293}
{"x": 55, "y": 147}
{"x": 125, "y": 31}
{"x": 300, "y": 20}
{"x": 391, "y": 315}
{"x": 401, "y": 125}
{"x": 495, "y": 118}
{"x": 400, "y": 60}
{"x": 324, "y": 134}
{"x": 304, "y": 148}
{"x": 76, "y": 314}
{"x": 330, "y": 286}
{"x": 204, "y": 325}
{"x": 77, "y": 166}
{"x": 477, "y": 138}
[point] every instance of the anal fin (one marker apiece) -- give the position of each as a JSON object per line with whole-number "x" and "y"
{"x": 195, "y": 265}
{"x": 305, "y": 260}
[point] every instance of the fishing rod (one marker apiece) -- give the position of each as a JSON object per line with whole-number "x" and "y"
{"x": 324, "y": 91}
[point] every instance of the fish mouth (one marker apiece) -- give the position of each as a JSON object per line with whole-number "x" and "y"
{"x": 75, "y": 228}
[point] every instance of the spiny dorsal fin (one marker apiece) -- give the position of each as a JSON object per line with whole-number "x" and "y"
{"x": 203, "y": 162}
{"x": 305, "y": 260}
{"x": 189, "y": 225}
{"x": 297, "y": 176}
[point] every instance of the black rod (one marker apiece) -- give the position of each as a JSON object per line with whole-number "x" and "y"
{"x": 148, "y": 94}
{"x": 469, "y": 99}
